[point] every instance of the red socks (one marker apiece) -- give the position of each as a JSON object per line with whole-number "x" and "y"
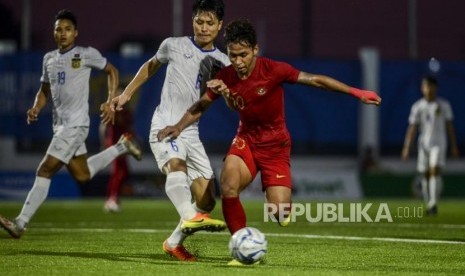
{"x": 233, "y": 213}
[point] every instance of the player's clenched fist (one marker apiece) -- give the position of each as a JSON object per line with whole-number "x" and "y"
{"x": 32, "y": 115}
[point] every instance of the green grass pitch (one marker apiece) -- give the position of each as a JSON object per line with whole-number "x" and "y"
{"x": 78, "y": 238}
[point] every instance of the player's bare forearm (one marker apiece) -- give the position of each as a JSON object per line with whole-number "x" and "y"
{"x": 452, "y": 139}
{"x": 147, "y": 70}
{"x": 192, "y": 115}
{"x": 323, "y": 82}
{"x": 328, "y": 83}
{"x": 39, "y": 102}
{"x": 112, "y": 80}
{"x": 409, "y": 136}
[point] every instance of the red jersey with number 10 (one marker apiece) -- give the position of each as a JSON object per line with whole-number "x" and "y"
{"x": 259, "y": 99}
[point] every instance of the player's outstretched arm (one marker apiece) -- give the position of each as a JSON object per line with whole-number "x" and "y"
{"x": 325, "y": 82}
{"x": 452, "y": 140}
{"x": 108, "y": 116}
{"x": 39, "y": 102}
{"x": 409, "y": 136}
{"x": 146, "y": 71}
{"x": 192, "y": 115}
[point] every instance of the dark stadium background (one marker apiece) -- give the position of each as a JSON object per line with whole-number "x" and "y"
{"x": 319, "y": 36}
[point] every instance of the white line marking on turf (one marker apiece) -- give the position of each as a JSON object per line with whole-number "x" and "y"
{"x": 306, "y": 236}
{"x": 331, "y": 237}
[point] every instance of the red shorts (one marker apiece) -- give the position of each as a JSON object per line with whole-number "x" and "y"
{"x": 272, "y": 161}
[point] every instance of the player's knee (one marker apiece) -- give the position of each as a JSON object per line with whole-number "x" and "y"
{"x": 229, "y": 189}
{"x": 82, "y": 178}
{"x": 45, "y": 170}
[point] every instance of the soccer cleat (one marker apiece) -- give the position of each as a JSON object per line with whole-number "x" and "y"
{"x": 285, "y": 222}
{"x": 202, "y": 222}
{"x": 433, "y": 211}
{"x": 133, "y": 148}
{"x": 179, "y": 252}
{"x": 235, "y": 262}
{"x": 111, "y": 206}
{"x": 11, "y": 227}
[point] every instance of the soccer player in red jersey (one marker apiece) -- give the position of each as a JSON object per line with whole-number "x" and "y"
{"x": 252, "y": 85}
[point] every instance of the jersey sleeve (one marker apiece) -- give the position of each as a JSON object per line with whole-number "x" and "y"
{"x": 219, "y": 75}
{"x": 448, "y": 114}
{"x": 45, "y": 78}
{"x": 163, "y": 53}
{"x": 94, "y": 59}
{"x": 414, "y": 117}
{"x": 287, "y": 72}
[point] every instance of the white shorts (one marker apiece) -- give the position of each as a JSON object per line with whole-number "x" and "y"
{"x": 68, "y": 142}
{"x": 189, "y": 149}
{"x": 431, "y": 157}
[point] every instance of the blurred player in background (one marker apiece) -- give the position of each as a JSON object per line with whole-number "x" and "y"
{"x": 252, "y": 85}
{"x": 109, "y": 135}
{"x": 65, "y": 79}
{"x": 191, "y": 62}
{"x": 433, "y": 116}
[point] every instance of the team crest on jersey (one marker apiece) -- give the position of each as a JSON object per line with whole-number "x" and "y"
{"x": 188, "y": 55}
{"x": 261, "y": 91}
{"x": 76, "y": 61}
{"x": 239, "y": 143}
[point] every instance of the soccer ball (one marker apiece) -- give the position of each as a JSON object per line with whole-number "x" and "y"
{"x": 248, "y": 245}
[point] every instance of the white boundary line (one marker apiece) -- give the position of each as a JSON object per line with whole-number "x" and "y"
{"x": 306, "y": 236}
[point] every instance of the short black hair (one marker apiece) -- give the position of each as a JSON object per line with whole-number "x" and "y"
{"x": 66, "y": 14}
{"x": 430, "y": 79}
{"x": 240, "y": 31}
{"x": 215, "y": 6}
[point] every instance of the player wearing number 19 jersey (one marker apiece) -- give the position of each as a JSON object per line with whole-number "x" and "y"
{"x": 65, "y": 78}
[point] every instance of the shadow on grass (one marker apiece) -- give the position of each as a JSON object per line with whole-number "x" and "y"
{"x": 137, "y": 258}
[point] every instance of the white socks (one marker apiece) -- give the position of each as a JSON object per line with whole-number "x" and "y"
{"x": 431, "y": 189}
{"x": 179, "y": 193}
{"x": 99, "y": 161}
{"x": 424, "y": 189}
{"x": 34, "y": 199}
{"x": 178, "y": 237}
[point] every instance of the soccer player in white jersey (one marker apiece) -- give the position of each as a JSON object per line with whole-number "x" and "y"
{"x": 65, "y": 79}
{"x": 191, "y": 62}
{"x": 433, "y": 116}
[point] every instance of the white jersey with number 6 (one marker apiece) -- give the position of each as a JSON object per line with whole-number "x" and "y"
{"x": 189, "y": 67}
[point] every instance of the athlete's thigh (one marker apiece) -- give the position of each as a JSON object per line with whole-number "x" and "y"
{"x": 167, "y": 150}
{"x": 68, "y": 142}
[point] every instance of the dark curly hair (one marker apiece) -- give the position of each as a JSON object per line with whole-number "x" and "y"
{"x": 430, "y": 79}
{"x": 215, "y": 6}
{"x": 240, "y": 31}
{"x": 66, "y": 14}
